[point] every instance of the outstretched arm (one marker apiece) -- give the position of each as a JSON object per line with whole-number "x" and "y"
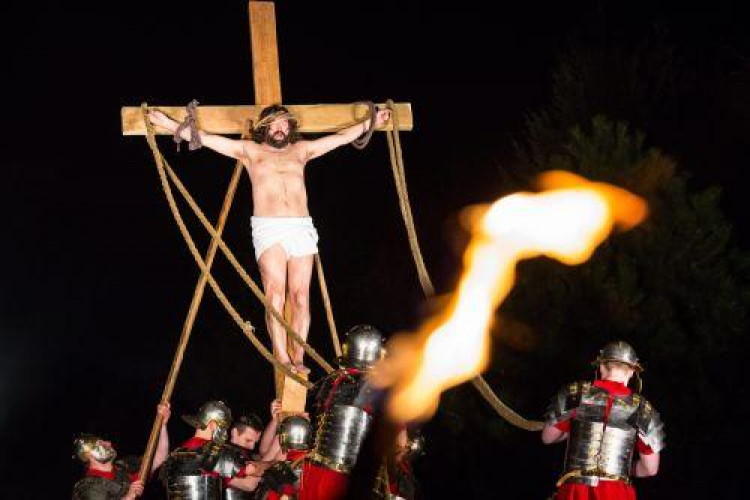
{"x": 321, "y": 146}
{"x": 233, "y": 148}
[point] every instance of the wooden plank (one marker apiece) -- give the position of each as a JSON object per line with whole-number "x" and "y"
{"x": 313, "y": 118}
{"x": 293, "y": 397}
{"x": 265, "y": 53}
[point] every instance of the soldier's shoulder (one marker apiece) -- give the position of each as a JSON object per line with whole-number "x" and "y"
{"x": 575, "y": 388}
{"x": 91, "y": 487}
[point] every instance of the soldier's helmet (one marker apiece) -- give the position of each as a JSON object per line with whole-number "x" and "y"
{"x": 620, "y": 351}
{"x": 212, "y": 411}
{"x": 363, "y": 347}
{"x": 86, "y": 445}
{"x": 295, "y": 433}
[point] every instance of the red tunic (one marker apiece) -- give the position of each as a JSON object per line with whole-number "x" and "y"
{"x": 289, "y": 490}
{"x": 605, "y": 490}
{"x": 321, "y": 483}
{"x": 110, "y": 475}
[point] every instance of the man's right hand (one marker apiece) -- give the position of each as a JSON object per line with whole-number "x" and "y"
{"x": 159, "y": 119}
{"x": 276, "y": 410}
{"x": 135, "y": 490}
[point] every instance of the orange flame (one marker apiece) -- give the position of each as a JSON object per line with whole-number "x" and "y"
{"x": 566, "y": 222}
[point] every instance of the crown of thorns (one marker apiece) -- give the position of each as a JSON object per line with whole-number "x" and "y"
{"x": 267, "y": 120}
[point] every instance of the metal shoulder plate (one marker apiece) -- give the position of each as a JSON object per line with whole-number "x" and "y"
{"x": 230, "y": 461}
{"x": 650, "y": 426}
{"x": 566, "y": 400}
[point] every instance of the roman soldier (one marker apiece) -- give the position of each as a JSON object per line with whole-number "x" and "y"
{"x": 343, "y": 408}
{"x": 205, "y": 465}
{"x": 605, "y": 423}
{"x": 107, "y": 478}
{"x": 295, "y": 440}
{"x": 402, "y": 484}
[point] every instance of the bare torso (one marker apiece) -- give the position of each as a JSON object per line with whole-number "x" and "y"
{"x": 278, "y": 180}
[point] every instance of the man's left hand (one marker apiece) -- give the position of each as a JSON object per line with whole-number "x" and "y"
{"x": 382, "y": 116}
{"x": 165, "y": 411}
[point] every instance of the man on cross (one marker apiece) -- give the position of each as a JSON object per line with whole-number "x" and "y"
{"x": 284, "y": 236}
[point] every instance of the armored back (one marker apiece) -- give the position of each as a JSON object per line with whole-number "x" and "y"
{"x": 235, "y": 494}
{"x": 594, "y": 448}
{"x": 340, "y": 434}
{"x": 194, "y": 488}
{"x": 603, "y": 449}
{"x": 184, "y": 480}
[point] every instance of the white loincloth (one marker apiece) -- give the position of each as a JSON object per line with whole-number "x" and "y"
{"x": 296, "y": 235}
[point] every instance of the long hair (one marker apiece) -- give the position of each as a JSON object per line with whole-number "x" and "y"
{"x": 259, "y": 133}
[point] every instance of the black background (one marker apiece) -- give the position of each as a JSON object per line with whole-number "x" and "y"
{"x": 97, "y": 280}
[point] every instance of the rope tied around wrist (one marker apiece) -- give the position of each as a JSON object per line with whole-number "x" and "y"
{"x": 189, "y": 123}
{"x": 372, "y": 113}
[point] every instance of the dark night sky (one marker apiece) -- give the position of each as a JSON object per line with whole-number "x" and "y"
{"x": 97, "y": 279}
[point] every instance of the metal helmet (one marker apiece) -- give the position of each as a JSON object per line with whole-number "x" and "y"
{"x": 363, "y": 347}
{"x": 88, "y": 445}
{"x": 619, "y": 351}
{"x": 295, "y": 433}
{"x": 212, "y": 411}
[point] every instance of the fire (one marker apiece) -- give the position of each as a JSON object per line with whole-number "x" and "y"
{"x": 567, "y": 221}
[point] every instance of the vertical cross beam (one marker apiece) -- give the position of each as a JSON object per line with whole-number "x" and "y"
{"x": 266, "y": 79}
{"x": 267, "y": 86}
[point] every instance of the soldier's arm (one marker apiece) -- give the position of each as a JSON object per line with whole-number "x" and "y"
{"x": 319, "y": 147}
{"x": 269, "y": 433}
{"x": 651, "y": 440}
{"x": 551, "y": 434}
{"x": 247, "y": 483}
{"x": 561, "y": 409}
{"x": 647, "y": 465}
{"x": 233, "y": 148}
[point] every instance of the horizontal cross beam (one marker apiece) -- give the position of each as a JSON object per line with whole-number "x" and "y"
{"x": 313, "y": 118}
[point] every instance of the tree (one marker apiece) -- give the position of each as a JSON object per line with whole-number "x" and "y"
{"x": 675, "y": 287}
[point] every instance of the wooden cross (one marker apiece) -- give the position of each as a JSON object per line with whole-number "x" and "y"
{"x": 228, "y": 120}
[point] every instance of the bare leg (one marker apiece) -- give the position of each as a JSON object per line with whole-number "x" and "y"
{"x": 299, "y": 275}
{"x": 272, "y": 264}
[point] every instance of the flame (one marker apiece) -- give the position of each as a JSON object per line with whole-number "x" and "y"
{"x": 566, "y": 222}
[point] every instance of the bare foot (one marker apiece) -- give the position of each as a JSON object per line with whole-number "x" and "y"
{"x": 288, "y": 364}
{"x": 301, "y": 369}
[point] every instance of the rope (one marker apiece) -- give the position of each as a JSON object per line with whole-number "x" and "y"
{"x": 504, "y": 410}
{"x": 187, "y": 327}
{"x": 399, "y": 175}
{"x": 327, "y": 305}
{"x": 362, "y": 141}
{"x": 163, "y": 168}
{"x": 191, "y": 124}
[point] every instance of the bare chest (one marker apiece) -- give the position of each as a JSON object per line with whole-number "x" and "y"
{"x": 272, "y": 164}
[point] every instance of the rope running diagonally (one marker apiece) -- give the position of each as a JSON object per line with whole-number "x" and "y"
{"x": 399, "y": 175}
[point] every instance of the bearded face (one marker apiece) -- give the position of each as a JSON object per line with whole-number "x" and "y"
{"x": 278, "y": 134}
{"x": 103, "y": 452}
